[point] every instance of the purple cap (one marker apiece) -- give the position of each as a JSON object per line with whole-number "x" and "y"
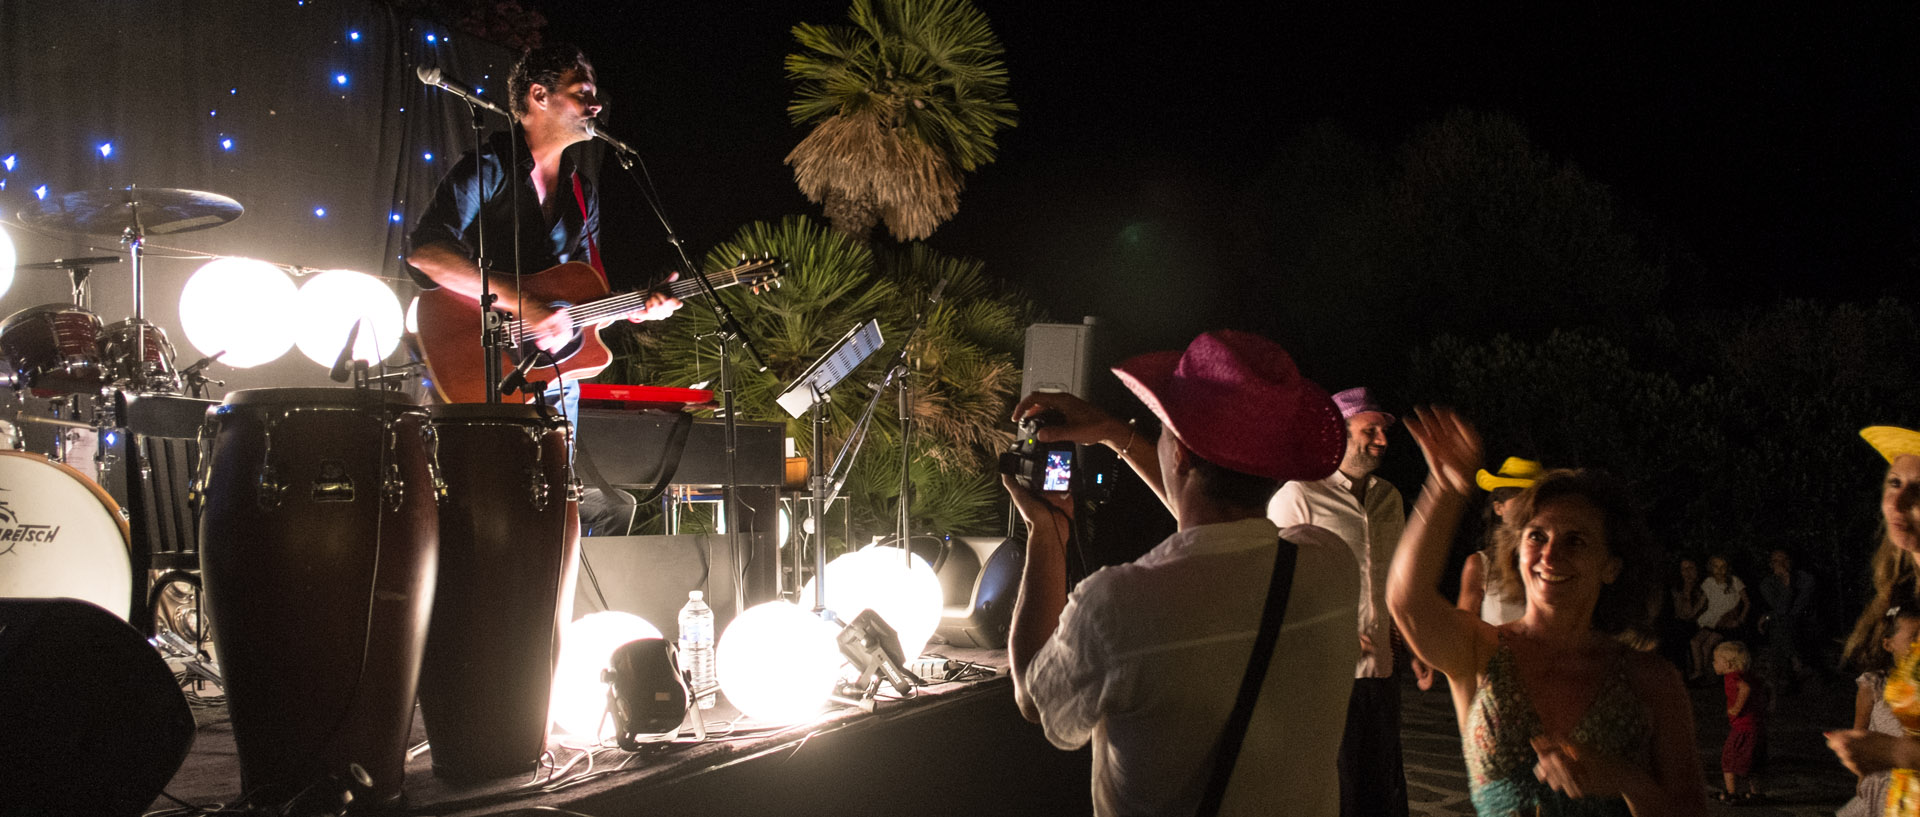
{"x": 1358, "y": 400}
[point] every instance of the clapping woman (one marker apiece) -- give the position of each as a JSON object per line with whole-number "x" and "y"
{"x": 1564, "y": 719}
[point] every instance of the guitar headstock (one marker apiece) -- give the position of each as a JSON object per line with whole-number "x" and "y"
{"x": 759, "y": 274}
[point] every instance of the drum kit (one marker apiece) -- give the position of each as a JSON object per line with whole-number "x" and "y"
{"x": 333, "y": 525}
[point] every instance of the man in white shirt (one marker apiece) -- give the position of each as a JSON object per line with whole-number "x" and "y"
{"x": 1368, "y": 515}
{"x": 1146, "y": 659}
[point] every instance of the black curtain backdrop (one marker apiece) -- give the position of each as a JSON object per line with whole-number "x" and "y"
{"x": 321, "y": 104}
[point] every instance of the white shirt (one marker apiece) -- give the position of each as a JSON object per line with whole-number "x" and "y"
{"x": 1372, "y": 530}
{"x": 1149, "y": 656}
{"x": 1721, "y": 599}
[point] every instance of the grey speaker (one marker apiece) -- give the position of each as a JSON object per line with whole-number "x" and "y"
{"x": 1059, "y": 358}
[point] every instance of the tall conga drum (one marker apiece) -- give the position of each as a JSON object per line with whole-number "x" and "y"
{"x": 318, "y": 549}
{"x": 509, "y": 542}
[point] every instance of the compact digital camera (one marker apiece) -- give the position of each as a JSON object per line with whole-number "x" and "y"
{"x": 1035, "y": 465}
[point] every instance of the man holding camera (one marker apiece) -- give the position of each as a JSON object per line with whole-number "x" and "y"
{"x": 1145, "y": 659}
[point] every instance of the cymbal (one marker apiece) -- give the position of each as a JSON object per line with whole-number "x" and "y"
{"x": 72, "y": 263}
{"x": 145, "y": 210}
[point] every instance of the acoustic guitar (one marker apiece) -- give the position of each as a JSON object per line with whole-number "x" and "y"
{"x": 450, "y": 325}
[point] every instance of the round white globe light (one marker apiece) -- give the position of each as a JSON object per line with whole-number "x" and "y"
{"x": 778, "y": 663}
{"x": 7, "y": 259}
{"x": 331, "y": 302}
{"x": 586, "y": 647}
{"x": 877, "y": 578}
{"x": 239, "y": 306}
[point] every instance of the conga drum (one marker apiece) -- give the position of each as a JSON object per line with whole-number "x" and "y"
{"x": 509, "y": 542}
{"x": 318, "y": 547}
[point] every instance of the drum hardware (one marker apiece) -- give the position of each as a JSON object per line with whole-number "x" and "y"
{"x": 131, "y": 214}
{"x": 77, "y": 271}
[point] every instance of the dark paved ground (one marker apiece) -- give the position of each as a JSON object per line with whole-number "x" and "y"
{"x": 1803, "y": 779}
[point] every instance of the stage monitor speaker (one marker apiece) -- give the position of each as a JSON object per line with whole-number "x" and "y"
{"x": 1059, "y": 358}
{"x": 981, "y": 578}
{"x": 649, "y": 576}
{"x": 94, "y": 723}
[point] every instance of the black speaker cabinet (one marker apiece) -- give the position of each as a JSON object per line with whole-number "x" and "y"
{"x": 981, "y": 579}
{"x": 94, "y": 723}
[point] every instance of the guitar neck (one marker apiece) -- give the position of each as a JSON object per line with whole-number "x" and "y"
{"x": 588, "y": 313}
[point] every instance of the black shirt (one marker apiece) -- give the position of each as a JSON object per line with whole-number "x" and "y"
{"x": 476, "y": 190}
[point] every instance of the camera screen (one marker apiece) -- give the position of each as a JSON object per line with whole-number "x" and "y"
{"x": 1059, "y": 470}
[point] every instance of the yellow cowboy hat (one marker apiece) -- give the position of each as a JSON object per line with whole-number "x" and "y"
{"x": 1892, "y": 442}
{"x": 1519, "y": 473}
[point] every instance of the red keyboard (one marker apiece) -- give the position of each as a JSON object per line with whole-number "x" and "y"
{"x": 644, "y": 397}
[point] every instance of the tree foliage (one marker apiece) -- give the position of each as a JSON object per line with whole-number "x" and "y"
{"x": 904, "y": 101}
{"x": 964, "y": 363}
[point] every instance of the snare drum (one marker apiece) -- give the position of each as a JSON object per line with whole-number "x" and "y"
{"x": 61, "y": 536}
{"x": 152, "y": 370}
{"x": 53, "y": 348}
{"x": 509, "y": 547}
{"x": 318, "y": 553}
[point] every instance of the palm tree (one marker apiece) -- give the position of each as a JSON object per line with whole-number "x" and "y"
{"x": 965, "y": 364}
{"x": 903, "y": 102}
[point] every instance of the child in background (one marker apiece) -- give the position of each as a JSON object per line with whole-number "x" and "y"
{"x": 1746, "y": 748}
{"x": 1870, "y": 710}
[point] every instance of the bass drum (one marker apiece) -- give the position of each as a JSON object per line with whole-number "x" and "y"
{"x": 61, "y": 536}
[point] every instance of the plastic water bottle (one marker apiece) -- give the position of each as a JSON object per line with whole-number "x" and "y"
{"x": 696, "y": 646}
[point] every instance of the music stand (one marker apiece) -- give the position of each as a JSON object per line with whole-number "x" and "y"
{"x": 809, "y": 392}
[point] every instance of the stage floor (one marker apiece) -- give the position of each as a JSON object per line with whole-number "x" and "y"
{"x": 951, "y": 735}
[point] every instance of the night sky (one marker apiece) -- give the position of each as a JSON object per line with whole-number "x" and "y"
{"x": 1761, "y": 152}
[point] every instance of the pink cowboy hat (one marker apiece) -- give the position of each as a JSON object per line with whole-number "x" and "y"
{"x": 1236, "y": 399}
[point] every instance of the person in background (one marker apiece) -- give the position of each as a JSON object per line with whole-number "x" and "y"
{"x": 1892, "y": 639}
{"x": 1788, "y": 621}
{"x": 1896, "y": 563}
{"x": 1489, "y": 587}
{"x": 1722, "y": 617}
{"x": 1680, "y": 612}
{"x": 1565, "y": 719}
{"x": 1745, "y": 751}
{"x": 1145, "y": 659}
{"x": 1368, "y": 514}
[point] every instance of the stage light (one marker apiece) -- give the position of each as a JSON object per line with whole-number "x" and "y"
{"x": 413, "y": 316}
{"x": 778, "y": 663}
{"x": 329, "y": 305}
{"x": 877, "y": 578}
{"x": 7, "y": 259}
{"x": 586, "y": 647}
{"x": 11, "y": 158}
{"x": 106, "y": 149}
{"x": 239, "y": 306}
{"x": 226, "y": 144}
{"x": 40, "y": 192}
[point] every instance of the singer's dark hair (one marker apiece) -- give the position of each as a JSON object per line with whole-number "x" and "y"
{"x": 544, "y": 66}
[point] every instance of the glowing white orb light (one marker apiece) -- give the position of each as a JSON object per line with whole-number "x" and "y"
{"x": 778, "y": 663}
{"x": 878, "y": 578}
{"x": 239, "y": 306}
{"x": 329, "y": 305}
{"x": 586, "y": 647}
{"x": 7, "y": 259}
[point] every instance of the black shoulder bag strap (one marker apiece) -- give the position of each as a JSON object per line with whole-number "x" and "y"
{"x": 1235, "y": 732}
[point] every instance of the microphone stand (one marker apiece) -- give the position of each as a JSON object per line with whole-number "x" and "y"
{"x": 728, "y": 331}
{"x": 492, "y": 327}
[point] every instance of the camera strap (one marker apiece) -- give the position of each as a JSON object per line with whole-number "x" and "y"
{"x": 1279, "y": 588}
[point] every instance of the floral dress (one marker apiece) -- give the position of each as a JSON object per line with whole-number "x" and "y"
{"x": 1903, "y": 697}
{"x": 1498, "y": 743}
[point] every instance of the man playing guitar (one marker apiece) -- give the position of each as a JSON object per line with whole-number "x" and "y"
{"x": 553, "y": 100}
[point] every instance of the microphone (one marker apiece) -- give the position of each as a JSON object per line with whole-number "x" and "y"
{"x": 340, "y": 372}
{"x": 593, "y": 130}
{"x": 518, "y": 377}
{"x": 204, "y": 362}
{"x": 433, "y": 77}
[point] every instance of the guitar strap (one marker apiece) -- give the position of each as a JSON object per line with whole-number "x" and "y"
{"x": 593, "y": 246}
